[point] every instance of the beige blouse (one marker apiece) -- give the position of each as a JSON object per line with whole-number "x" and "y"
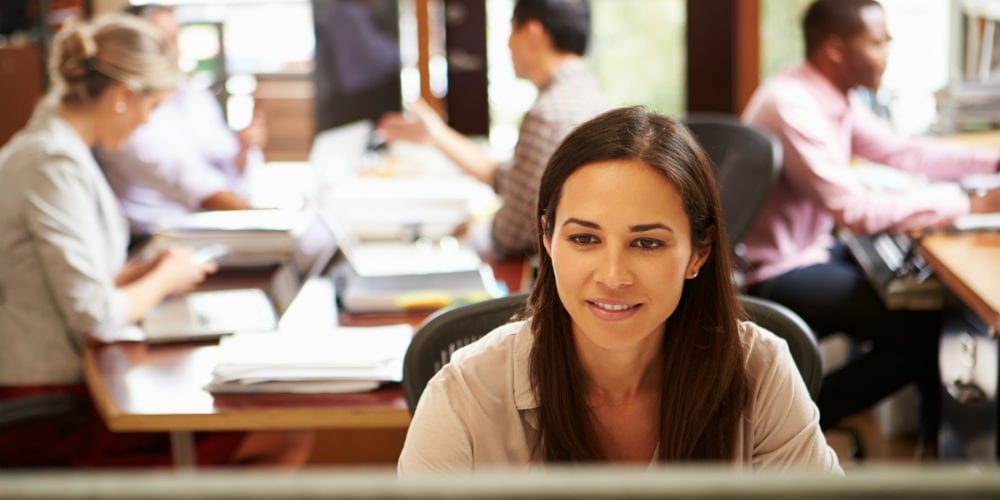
{"x": 480, "y": 410}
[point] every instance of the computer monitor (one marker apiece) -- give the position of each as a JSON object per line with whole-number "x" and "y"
{"x": 680, "y": 482}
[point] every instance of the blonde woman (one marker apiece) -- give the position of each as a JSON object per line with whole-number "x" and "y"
{"x": 64, "y": 279}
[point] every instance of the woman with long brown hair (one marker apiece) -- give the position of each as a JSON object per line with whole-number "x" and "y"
{"x": 634, "y": 349}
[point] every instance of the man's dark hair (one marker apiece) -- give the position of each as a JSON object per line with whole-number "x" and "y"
{"x": 826, "y": 18}
{"x": 566, "y": 21}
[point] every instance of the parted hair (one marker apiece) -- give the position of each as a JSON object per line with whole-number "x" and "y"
{"x": 705, "y": 387}
{"x": 826, "y": 18}
{"x": 88, "y": 57}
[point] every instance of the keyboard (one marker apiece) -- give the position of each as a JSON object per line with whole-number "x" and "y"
{"x": 899, "y": 275}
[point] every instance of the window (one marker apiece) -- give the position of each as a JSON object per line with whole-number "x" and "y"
{"x": 918, "y": 64}
{"x": 642, "y": 39}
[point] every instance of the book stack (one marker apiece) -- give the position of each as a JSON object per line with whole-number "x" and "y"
{"x": 968, "y": 106}
{"x": 252, "y": 237}
{"x": 347, "y": 359}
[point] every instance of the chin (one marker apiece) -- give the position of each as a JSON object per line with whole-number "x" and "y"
{"x": 111, "y": 145}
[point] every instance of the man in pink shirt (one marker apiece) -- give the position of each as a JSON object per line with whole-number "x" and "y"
{"x": 793, "y": 254}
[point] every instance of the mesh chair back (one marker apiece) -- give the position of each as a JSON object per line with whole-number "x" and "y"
{"x": 801, "y": 342}
{"x": 447, "y": 330}
{"x": 747, "y": 161}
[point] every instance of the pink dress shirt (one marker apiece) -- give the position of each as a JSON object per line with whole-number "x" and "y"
{"x": 820, "y": 130}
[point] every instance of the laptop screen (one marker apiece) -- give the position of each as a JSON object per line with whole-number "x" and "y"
{"x": 313, "y": 250}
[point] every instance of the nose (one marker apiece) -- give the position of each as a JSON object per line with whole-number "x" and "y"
{"x": 614, "y": 270}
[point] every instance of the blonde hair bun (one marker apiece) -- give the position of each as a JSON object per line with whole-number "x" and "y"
{"x": 88, "y": 57}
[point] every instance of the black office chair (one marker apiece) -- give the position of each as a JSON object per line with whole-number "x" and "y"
{"x": 447, "y": 330}
{"x": 450, "y": 329}
{"x": 784, "y": 323}
{"x": 40, "y": 407}
{"x": 747, "y": 161}
{"x": 58, "y": 408}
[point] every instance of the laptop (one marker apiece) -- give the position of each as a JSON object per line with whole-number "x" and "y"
{"x": 211, "y": 314}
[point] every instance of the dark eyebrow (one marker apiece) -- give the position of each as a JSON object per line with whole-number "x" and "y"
{"x": 635, "y": 229}
{"x": 649, "y": 227}
{"x": 584, "y": 223}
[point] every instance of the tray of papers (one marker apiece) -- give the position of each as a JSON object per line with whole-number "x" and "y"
{"x": 346, "y": 359}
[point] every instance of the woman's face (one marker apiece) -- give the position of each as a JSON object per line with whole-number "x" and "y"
{"x": 126, "y": 112}
{"x": 621, "y": 250}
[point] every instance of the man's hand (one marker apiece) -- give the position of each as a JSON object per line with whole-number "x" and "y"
{"x": 254, "y": 136}
{"x": 419, "y": 124}
{"x": 987, "y": 201}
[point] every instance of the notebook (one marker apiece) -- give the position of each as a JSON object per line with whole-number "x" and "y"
{"x": 404, "y": 276}
{"x": 396, "y": 258}
{"x": 211, "y": 314}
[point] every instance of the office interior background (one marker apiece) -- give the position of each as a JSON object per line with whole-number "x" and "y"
{"x": 675, "y": 56}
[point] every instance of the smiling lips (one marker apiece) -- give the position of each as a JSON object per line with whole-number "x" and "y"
{"x": 612, "y": 311}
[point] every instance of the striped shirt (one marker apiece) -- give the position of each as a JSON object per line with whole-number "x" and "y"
{"x": 570, "y": 98}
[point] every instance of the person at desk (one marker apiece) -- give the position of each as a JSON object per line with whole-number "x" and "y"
{"x": 547, "y": 40}
{"x": 64, "y": 279}
{"x": 186, "y": 158}
{"x": 791, "y": 249}
{"x": 633, "y": 350}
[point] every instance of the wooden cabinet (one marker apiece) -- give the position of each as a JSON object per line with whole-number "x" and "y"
{"x": 21, "y": 85}
{"x": 287, "y": 102}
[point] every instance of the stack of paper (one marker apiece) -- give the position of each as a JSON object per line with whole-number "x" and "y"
{"x": 253, "y": 237}
{"x": 348, "y": 359}
{"x": 966, "y": 106}
{"x": 978, "y": 222}
{"x": 405, "y": 208}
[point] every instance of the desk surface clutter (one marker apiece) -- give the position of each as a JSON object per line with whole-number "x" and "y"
{"x": 346, "y": 359}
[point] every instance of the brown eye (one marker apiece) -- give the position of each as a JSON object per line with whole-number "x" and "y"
{"x": 647, "y": 243}
{"x": 583, "y": 239}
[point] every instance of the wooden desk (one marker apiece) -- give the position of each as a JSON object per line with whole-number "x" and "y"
{"x": 989, "y": 139}
{"x": 159, "y": 388}
{"x": 968, "y": 264}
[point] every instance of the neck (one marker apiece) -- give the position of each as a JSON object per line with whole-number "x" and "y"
{"x": 829, "y": 70}
{"x": 548, "y": 65}
{"x": 619, "y": 378}
{"x": 81, "y": 120}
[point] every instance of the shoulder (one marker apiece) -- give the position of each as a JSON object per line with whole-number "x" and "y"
{"x": 486, "y": 368}
{"x": 39, "y": 154}
{"x": 572, "y": 98}
{"x": 764, "y": 350}
{"x": 780, "y": 95}
{"x": 490, "y": 350}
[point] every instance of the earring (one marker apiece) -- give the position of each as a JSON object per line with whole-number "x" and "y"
{"x": 120, "y": 107}
{"x": 693, "y": 275}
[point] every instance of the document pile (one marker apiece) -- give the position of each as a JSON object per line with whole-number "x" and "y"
{"x": 965, "y": 106}
{"x": 253, "y": 237}
{"x": 377, "y": 208}
{"x": 348, "y": 359}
